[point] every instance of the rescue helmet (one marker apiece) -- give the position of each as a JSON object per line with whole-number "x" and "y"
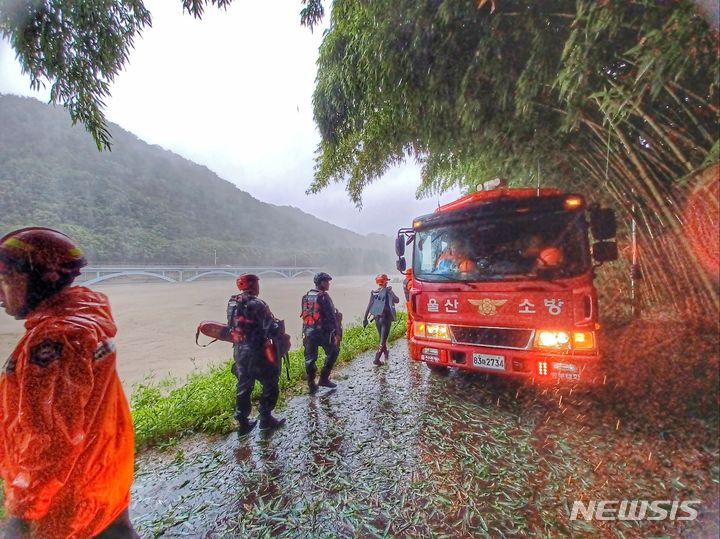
{"x": 382, "y": 279}
{"x": 43, "y": 252}
{"x": 320, "y": 277}
{"x": 247, "y": 280}
{"x": 550, "y": 257}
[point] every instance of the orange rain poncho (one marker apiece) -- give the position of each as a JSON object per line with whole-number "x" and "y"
{"x": 66, "y": 435}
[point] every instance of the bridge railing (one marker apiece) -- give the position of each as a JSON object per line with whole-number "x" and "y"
{"x": 174, "y": 274}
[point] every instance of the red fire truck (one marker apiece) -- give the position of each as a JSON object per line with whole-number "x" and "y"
{"x": 502, "y": 282}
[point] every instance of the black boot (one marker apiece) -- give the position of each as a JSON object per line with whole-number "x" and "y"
{"x": 326, "y": 382}
{"x": 312, "y": 386}
{"x": 245, "y": 426}
{"x": 387, "y": 354}
{"x": 270, "y": 422}
{"x": 377, "y": 361}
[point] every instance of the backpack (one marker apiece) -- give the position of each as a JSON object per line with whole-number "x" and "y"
{"x": 235, "y": 310}
{"x": 280, "y": 338}
{"x": 310, "y": 312}
{"x": 379, "y": 300}
{"x": 281, "y": 342}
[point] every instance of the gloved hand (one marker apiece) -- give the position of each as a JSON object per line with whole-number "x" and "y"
{"x": 365, "y": 322}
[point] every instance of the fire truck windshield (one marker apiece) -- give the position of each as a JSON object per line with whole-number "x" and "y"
{"x": 517, "y": 246}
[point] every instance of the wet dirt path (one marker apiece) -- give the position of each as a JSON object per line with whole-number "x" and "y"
{"x": 400, "y": 451}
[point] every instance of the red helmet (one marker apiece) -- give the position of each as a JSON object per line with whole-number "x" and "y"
{"x": 246, "y": 280}
{"x": 48, "y": 252}
{"x": 381, "y": 279}
{"x": 550, "y": 257}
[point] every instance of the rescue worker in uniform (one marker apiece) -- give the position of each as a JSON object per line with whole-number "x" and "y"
{"x": 454, "y": 259}
{"x": 407, "y": 285}
{"x": 66, "y": 435}
{"x": 250, "y": 321}
{"x": 321, "y": 327}
{"x": 382, "y": 307}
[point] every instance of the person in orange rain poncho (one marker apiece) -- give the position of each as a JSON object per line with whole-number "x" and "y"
{"x": 66, "y": 435}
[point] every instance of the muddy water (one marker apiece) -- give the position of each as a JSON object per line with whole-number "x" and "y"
{"x": 400, "y": 451}
{"x": 157, "y": 320}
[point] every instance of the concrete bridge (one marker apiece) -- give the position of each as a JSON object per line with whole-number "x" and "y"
{"x": 185, "y": 274}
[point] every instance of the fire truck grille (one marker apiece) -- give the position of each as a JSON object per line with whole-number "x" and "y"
{"x": 497, "y": 337}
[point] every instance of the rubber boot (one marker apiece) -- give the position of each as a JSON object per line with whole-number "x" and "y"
{"x": 245, "y": 426}
{"x": 325, "y": 381}
{"x": 270, "y": 422}
{"x": 387, "y": 354}
{"x": 312, "y": 386}
{"x": 377, "y": 358}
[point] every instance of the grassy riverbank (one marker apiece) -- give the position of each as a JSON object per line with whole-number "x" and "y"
{"x": 206, "y": 401}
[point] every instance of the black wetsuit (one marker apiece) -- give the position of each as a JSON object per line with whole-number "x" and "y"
{"x": 253, "y": 318}
{"x": 321, "y": 333}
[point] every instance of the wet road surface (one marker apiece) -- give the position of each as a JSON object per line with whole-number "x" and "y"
{"x": 400, "y": 451}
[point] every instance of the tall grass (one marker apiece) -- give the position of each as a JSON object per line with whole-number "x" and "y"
{"x": 206, "y": 401}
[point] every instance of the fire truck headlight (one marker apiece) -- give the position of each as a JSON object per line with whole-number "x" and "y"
{"x": 583, "y": 340}
{"x": 437, "y": 331}
{"x": 552, "y": 339}
{"x": 419, "y": 329}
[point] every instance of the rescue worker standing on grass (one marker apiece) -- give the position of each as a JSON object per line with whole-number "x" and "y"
{"x": 321, "y": 327}
{"x": 66, "y": 435}
{"x": 251, "y": 320}
{"x": 382, "y": 307}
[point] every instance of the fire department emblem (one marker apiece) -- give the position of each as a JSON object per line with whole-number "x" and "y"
{"x": 487, "y": 306}
{"x": 45, "y": 353}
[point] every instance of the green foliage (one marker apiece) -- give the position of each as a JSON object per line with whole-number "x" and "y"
{"x": 473, "y": 93}
{"x": 205, "y": 403}
{"x": 443, "y": 82}
{"x": 80, "y": 46}
{"x": 77, "y": 46}
{"x": 142, "y": 204}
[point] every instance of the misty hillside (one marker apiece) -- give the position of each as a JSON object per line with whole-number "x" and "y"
{"x": 143, "y": 204}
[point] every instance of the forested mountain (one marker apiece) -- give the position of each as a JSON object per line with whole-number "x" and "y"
{"x": 143, "y": 204}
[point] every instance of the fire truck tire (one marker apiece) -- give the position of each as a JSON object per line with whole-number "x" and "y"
{"x": 438, "y": 369}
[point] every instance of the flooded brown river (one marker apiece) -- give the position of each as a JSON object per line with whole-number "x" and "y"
{"x": 157, "y": 320}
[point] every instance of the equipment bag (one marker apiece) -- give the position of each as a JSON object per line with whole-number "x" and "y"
{"x": 279, "y": 337}
{"x": 281, "y": 343}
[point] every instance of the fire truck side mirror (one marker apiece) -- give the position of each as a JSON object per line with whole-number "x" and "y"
{"x": 400, "y": 245}
{"x": 605, "y": 251}
{"x": 602, "y": 223}
{"x": 401, "y": 264}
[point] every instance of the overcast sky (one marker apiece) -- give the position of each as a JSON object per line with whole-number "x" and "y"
{"x": 233, "y": 92}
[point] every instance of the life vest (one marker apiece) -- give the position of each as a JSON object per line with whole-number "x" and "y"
{"x": 243, "y": 328}
{"x": 310, "y": 312}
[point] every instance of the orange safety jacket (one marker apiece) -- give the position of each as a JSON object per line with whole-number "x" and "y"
{"x": 66, "y": 434}
{"x": 461, "y": 263}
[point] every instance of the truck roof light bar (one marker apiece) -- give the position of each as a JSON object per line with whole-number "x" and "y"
{"x": 495, "y": 183}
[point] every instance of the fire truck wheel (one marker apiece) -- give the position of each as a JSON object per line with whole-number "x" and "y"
{"x": 438, "y": 369}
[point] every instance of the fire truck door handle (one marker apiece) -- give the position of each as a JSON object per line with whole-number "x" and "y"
{"x": 587, "y": 308}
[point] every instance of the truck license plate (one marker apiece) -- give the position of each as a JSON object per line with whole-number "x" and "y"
{"x": 489, "y": 361}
